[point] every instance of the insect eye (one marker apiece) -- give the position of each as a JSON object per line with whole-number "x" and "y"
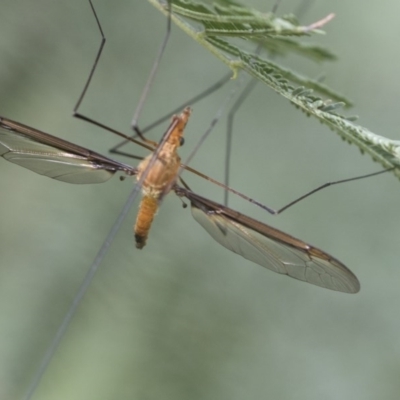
{"x": 181, "y": 141}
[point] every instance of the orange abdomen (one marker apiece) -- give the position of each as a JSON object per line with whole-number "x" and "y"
{"x": 147, "y": 210}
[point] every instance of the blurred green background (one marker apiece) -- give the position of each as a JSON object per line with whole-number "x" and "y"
{"x": 185, "y": 318}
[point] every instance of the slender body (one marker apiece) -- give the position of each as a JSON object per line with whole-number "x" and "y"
{"x": 157, "y": 175}
{"x": 160, "y": 169}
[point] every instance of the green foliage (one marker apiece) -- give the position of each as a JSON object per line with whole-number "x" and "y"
{"x": 237, "y": 20}
{"x": 215, "y": 26}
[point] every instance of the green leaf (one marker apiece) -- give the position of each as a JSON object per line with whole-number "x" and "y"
{"x": 234, "y": 20}
{"x": 281, "y": 46}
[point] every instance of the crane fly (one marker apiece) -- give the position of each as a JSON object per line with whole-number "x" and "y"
{"x": 157, "y": 175}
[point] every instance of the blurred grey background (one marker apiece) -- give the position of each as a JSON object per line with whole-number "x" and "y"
{"x": 185, "y": 318}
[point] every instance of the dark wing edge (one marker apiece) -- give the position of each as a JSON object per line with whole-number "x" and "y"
{"x": 54, "y": 157}
{"x": 269, "y": 247}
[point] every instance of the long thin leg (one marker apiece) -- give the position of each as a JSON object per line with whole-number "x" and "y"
{"x": 280, "y": 210}
{"x": 301, "y": 9}
{"x": 151, "y": 78}
{"x": 144, "y": 94}
{"x": 52, "y": 348}
{"x": 229, "y": 132}
{"x": 214, "y": 87}
{"x": 96, "y": 61}
{"x": 328, "y": 184}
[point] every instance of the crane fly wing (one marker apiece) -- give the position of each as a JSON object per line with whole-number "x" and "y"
{"x": 54, "y": 157}
{"x": 59, "y": 159}
{"x": 270, "y": 247}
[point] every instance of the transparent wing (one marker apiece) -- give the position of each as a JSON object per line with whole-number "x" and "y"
{"x": 53, "y": 157}
{"x": 272, "y": 248}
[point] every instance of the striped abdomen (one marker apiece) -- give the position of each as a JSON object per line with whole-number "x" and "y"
{"x": 147, "y": 210}
{"x": 161, "y": 171}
